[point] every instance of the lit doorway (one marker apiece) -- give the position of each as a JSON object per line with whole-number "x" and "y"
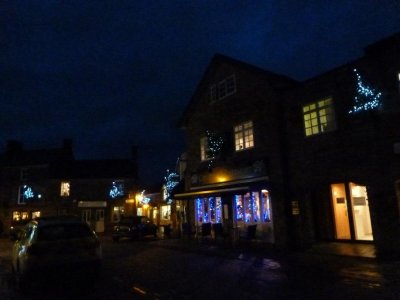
{"x": 352, "y": 217}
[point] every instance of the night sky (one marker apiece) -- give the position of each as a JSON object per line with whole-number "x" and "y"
{"x": 113, "y": 74}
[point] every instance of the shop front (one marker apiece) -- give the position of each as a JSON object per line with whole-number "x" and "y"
{"x": 241, "y": 209}
{"x": 93, "y": 212}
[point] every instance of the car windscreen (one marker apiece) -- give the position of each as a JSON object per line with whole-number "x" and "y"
{"x": 129, "y": 221}
{"x": 63, "y": 232}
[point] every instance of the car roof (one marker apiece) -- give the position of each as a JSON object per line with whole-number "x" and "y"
{"x": 53, "y": 220}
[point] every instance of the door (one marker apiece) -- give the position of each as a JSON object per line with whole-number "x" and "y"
{"x": 361, "y": 214}
{"x": 341, "y": 215}
{"x": 351, "y": 212}
{"x": 99, "y": 226}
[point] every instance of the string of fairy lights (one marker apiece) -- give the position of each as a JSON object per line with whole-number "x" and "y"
{"x": 366, "y": 97}
{"x": 214, "y": 144}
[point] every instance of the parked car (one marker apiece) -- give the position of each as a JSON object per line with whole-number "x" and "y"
{"x": 16, "y": 227}
{"x": 134, "y": 227}
{"x": 60, "y": 245}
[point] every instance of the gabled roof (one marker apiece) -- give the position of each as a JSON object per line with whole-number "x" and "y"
{"x": 275, "y": 80}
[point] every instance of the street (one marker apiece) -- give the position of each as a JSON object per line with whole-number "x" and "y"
{"x": 173, "y": 269}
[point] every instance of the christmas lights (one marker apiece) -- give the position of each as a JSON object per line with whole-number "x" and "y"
{"x": 171, "y": 181}
{"x": 366, "y": 97}
{"x": 214, "y": 144}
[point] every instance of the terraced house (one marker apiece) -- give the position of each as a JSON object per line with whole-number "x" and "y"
{"x": 300, "y": 162}
{"x": 42, "y": 182}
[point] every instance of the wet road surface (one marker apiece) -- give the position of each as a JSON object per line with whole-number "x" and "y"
{"x": 170, "y": 269}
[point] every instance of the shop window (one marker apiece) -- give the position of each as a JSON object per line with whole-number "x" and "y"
{"x": 266, "y": 206}
{"x": 319, "y": 117}
{"x": 209, "y": 210}
{"x": 244, "y": 137}
{"x": 253, "y": 207}
{"x": 165, "y": 213}
{"x": 118, "y": 213}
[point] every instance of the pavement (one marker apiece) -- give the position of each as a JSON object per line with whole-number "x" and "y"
{"x": 254, "y": 248}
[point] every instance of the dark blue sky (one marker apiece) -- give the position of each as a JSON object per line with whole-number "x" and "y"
{"x": 112, "y": 74}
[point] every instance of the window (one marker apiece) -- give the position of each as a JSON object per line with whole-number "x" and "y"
{"x": 165, "y": 212}
{"x": 65, "y": 186}
{"x": 209, "y": 210}
{"x": 35, "y": 214}
{"x": 244, "y": 138}
{"x": 204, "y": 153}
{"x": 319, "y": 117}
{"x": 118, "y": 213}
{"x": 223, "y": 89}
{"x": 253, "y": 207}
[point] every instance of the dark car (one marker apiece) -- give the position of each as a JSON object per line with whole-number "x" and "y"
{"x": 55, "y": 244}
{"x": 134, "y": 227}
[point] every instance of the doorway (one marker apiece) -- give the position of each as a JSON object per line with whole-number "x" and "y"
{"x": 351, "y": 212}
{"x": 99, "y": 226}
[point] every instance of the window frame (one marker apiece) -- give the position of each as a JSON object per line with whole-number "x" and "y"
{"x": 244, "y": 136}
{"x": 208, "y": 209}
{"x": 223, "y": 88}
{"x": 204, "y": 156}
{"x": 319, "y": 117}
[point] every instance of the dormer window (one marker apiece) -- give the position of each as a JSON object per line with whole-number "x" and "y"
{"x": 223, "y": 89}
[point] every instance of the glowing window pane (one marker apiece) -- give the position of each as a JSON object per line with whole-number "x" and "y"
{"x": 244, "y": 137}
{"x": 65, "y": 188}
{"x": 239, "y": 207}
{"x": 319, "y": 117}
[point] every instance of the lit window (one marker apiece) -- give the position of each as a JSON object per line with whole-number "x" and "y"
{"x": 165, "y": 212}
{"x": 16, "y": 216}
{"x": 250, "y": 206}
{"x": 209, "y": 210}
{"x": 65, "y": 188}
{"x": 24, "y": 215}
{"x": 204, "y": 152}
{"x": 118, "y": 213}
{"x": 266, "y": 206}
{"x": 223, "y": 89}
{"x": 244, "y": 138}
{"x": 319, "y": 117}
{"x": 35, "y": 214}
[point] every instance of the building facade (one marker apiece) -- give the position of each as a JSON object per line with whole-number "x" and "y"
{"x": 45, "y": 182}
{"x": 343, "y": 134}
{"x": 235, "y": 173}
{"x": 308, "y": 161}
